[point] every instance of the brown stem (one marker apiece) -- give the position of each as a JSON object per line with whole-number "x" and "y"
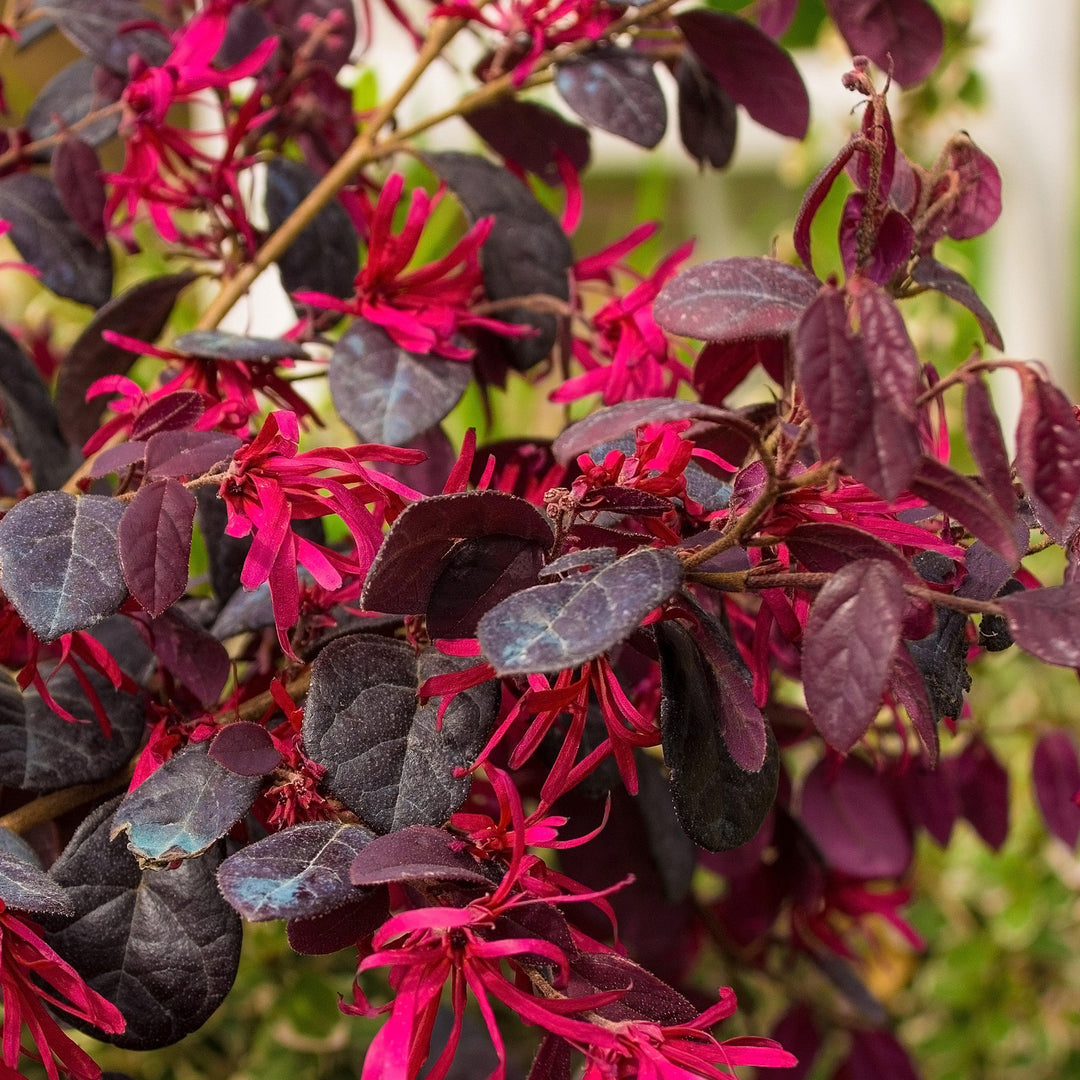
{"x": 47, "y": 807}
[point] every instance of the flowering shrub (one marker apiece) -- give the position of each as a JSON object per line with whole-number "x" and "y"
{"x": 488, "y": 716}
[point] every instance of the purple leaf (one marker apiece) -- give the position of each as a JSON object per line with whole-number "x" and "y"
{"x": 987, "y": 444}
{"x": 850, "y": 639}
{"x": 930, "y": 801}
{"x": 49, "y": 240}
{"x": 340, "y": 928}
{"x": 289, "y": 19}
{"x": 901, "y": 36}
{"x": 906, "y": 686}
{"x": 76, "y": 172}
{"x": 162, "y": 945}
{"x": 975, "y": 176}
{"x": 419, "y": 853}
{"x": 824, "y": 547}
{"x": 174, "y": 411}
{"x": 526, "y": 251}
{"x": 386, "y": 756}
{"x": 1055, "y": 777}
{"x": 893, "y": 241}
{"x": 155, "y": 543}
{"x": 67, "y": 99}
{"x": 873, "y": 1055}
{"x": 531, "y": 135}
{"x": 733, "y": 299}
{"x": 721, "y": 366}
{"x": 475, "y": 575}
{"x": 931, "y": 274}
{"x": 183, "y": 808}
{"x": 878, "y": 445}
{"x": 1046, "y": 622}
{"x": 95, "y": 28}
{"x": 246, "y": 749}
{"x": 59, "y": 561}
{"x": 646, "y": 998}
{"x": 963, "y": 499}
{"x": 797, "y": 1033}
{"x": 187, "y": 453}
{"x": 565, "y": 623}
{"x": 707, "y": 117}
{"x": 117, "y": 459}
{"x": 615, "y": 90}
{"x": 890, "y": 357}
{"x": 554, "y": 1060}
{"x": 24, "y": 886}
{"x": 325, "y": 257}
{"x": 1048, "y": 448}
{"x": 141, "y": 312}
{"x": 191, "y": 654}
{"x": 297, "y": 873}
{"x": 982, "y": 785}
{"x": 222, "y": 345}
{"x": 720, "y": 804}
{"x": 386, "y": 394}
{"x": 815, "y": 195}
{"x": 853, "y": 819}
{"x": 737, "y": 53}
{"x": 409, "y": 562}
{"x": 774, "y": 17}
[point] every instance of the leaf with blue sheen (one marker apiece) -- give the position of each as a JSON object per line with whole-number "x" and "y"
{"x": 297, "y": 873}
{"x": 162, "y": 945}
{"x": 565, "y": 623}
{"x": 183, "y": 808}
{"x": 59, "y": 561}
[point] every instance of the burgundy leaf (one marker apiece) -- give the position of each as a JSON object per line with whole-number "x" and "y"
{"x": 341, "y": 928}
{"x": 385, "y": 393}
{"x": 825, "y": 546}
{"x": 855, "y": 421}
{"x": 420, "y": 853}
{"x": 222, "y": 345}
{"x": 720, "y": 804}
{"x": 894, "y": 239}
{"x": 188, "y": 453}
{"x": 554, "y": 1060}
{"x": 49, "y": 240}
{"x": 526, "y": 251}
{"x": 876, "y": 130}
{"x": 978, "y": 203}
{"x": 815, "y": 195}
{"x": 733, "y": 299}
{"x": 76, "y": 172}
{"x": 117, "y": 459}
{"x": 707, "y": 116}
{"x": 565, "y": 623}
{"x": 906, "y": 685}
{"x": 646, "y": 997}
{"x": 963, "y": 499}
{"x": 736, "y": 53}
{"x": 1046, "y": 622}
{"x": 721, "y": 366}
{"x": 874, "y": 1055}
{"x": 854, "y": 820}
{"x": 1048, "y": 448}
{"x": 901, "y": 36}
{"x": 615, "y": 90}
{"x": 774, "y": 17}
{"x": 155, "y": 543}
{"x": 930, "y": 801}
{"x": 850, "y": 639}
{"x": 59, "y": 563}
{"x": 191, "y": 654}
{"x": 797, "y": 1033}
{"x": 180, "y": 409}
{"x": 615, "y": 421}
{"x": 141, "y": 312}
{"x": 245, "y": 748}
{"x": 982, "y": 785}
{"x": 291, "y": 21}
{"x": 890, "y": 356}
{"x": 931, "y": 274}
{"x": 1055, "y": 777}
{"x": 531, "y": 135}
{"x": 404, "y": 571}
{"x": 987, "y": 444}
